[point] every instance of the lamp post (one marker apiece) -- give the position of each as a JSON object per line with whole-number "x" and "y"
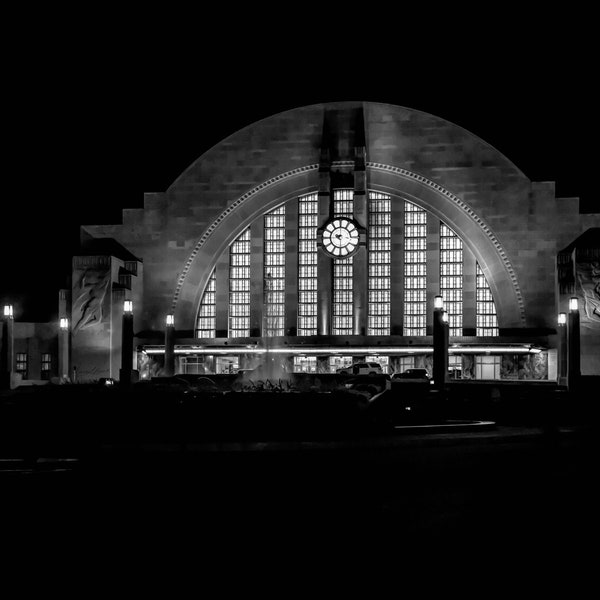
{"x": 446, "y": 325}
{"x": 64, "y": 367}
{"x": 573, "y": 345}
{"x": 127, "y": 343}
{"x": 170, "y": 346}
{"x": 562, "y": 348}
{"x": 7, "y": 355}
{"x": 440, "y": 344}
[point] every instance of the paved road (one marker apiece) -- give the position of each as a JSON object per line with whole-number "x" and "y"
{"x": 507, "y": 495}
{"x": 441, "y": 479}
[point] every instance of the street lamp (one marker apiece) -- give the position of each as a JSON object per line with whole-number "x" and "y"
{"x": 440, "y": 343}
{"x": 573, "y": 345}
{"x": 64, "y": 351}
{"x": 170, "y": 346}
{"x": 562, "y": 348}
{"x": 7, "y": 351}
{"x": 127, "y": 343}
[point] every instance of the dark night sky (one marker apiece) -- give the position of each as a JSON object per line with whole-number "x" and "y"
{"x": 85, "y": 142}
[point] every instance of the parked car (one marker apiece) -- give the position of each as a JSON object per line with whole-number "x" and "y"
{"x": 361, "y": 368}
{"x": 368, "y": 384}
{"x": 412, "y": 374}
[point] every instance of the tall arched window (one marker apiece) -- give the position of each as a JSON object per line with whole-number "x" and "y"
{"x": 380, "y": 259}
{"x": 409, "y": 282}
{"x": 239, "y": 286}
{"x": 206, "y": 325}
{"x": 343, "y": 304}
{"x": 415, "y": 270}
{"x": 451, "y": 277}
{"x": 274, "y": 273}
{"x": 487, "y": 320}
{"x": 308, "y": 215}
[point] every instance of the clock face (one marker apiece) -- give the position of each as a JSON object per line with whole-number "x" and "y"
{"x": 340, "y": 238}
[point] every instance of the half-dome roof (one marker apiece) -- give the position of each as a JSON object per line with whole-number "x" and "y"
{"x": 395, "y": 135}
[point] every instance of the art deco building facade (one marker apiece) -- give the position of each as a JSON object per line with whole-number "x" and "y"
{"x": 320, "y": 236}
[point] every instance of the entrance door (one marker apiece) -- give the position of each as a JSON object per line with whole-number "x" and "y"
{"x": 487, "y": 367}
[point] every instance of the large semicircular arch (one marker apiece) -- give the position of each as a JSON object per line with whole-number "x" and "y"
{"x": 399, "y": 183}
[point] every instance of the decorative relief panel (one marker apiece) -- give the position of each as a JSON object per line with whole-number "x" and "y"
{"x": 588, "y": 277}
{"x": 90, "y": 286}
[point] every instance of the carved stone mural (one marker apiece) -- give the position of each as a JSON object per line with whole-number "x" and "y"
{"x": 90, "y": 287}
{"x": 509, "y": 367}
{"x": 424, "y": 361}
{"x": 468, "y": 366}
{"x": 524, "y": 366}
{"x": 588, "y": 277}
{"x": 149, "y": 366}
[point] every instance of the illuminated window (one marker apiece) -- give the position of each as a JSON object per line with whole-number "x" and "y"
{"x": 455, "y": 361}
{"x": 380, "y": 258}
{"x": 404, "y": 362}
{"x": 451, "y": 277}
{"x": 308, "y": 214}
{"x": 487, "y": 319}
{"x": 46, "y": 362}
{"x": 274, "y": 273}
{"x": 487, "y": 367}
{"x": 305, "y": 364}
{"x": 339, "y": 362}
{"x": 239, "y": 286}
{"x": 455, "y": 366}
{"x": 227, "y": 364}
{"x": 206, "y": 324}
{"x": 343, "y": 203}
{"x": 343, "y": 304}
{"x": 415, "y": 269}
{"x": 384, "y": 361}
{"x": 22, "y": 364}
{"x": 46, "y": 365}
{"x": 192, "y": 364}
